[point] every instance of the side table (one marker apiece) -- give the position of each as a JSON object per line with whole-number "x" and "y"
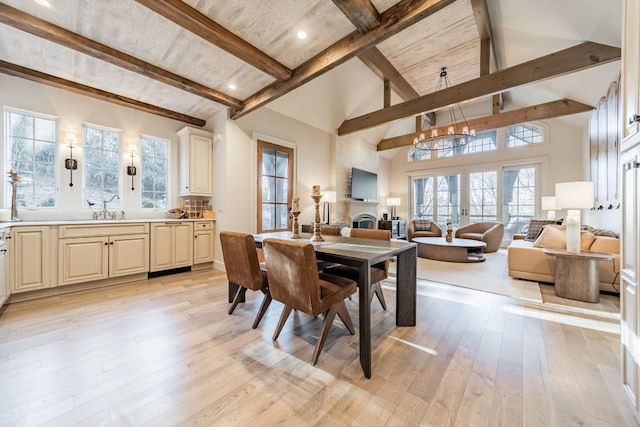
{"x": 577, "y": 274}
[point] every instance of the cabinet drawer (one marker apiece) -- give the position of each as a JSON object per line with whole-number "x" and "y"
{"x": 103, "y": 230}
{"x": 202, "y": 225}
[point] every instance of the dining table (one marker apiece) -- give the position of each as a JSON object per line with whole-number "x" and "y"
{"x": 363, "y": 253}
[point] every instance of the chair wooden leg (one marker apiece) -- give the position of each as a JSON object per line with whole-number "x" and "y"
{"x": 283, "y": 319}
{"x": 326, "y": 326}
{"x": 263, "y": 309}
{"x": 377, "y": 290}
{"x": 240, "y": 295}
{"x": 343, "y": 314}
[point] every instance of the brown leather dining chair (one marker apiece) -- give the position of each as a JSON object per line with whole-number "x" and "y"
{"x": 379, "y": 271}
{"x": 294, "y": 281}
{"x": 244, "y": 270}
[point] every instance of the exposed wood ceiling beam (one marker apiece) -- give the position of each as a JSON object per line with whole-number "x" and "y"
{"x": 548, "y": 110}
{"x": 68, "y": 85}
{"x": 488, "y": 53}
{"x": 397, "y": 18}
{"x": 362, "y": 13}
{"x": 38, "y": 27}
{"x": 576, "y": 58}
{"x": 201, "y": 25}
{"x": 379, "y": 64}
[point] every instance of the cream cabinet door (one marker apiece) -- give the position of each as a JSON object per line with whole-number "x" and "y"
{"x": 202, "y": 246}
{"x": 83, "y": 260}
{"x": 32, "y": 259}
{"x": 183, "y": 244}
{"x": 161, "y": 247}
{"x": 4, "y": 291}
{"x": 200, "y": 166}
{"x": 128, "y": 255}
{"x": 630, "y": 100}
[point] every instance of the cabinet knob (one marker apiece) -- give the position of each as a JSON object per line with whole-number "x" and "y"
{"x": 634, "y": 118}
{"x": 106, "y": 243}
{"x": 111, "y": 243}
{"x": 195, "y": 237}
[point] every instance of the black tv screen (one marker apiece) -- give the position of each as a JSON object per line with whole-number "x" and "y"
{"x": 364, "y": 185}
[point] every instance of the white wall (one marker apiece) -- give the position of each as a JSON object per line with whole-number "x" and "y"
{"x": 73, "y": 110}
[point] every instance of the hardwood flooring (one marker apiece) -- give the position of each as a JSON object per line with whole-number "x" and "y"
{"x": 164, "y": 352}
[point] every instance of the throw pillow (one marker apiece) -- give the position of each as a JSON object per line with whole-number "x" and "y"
{"x": 535, "y": 228}
{"x": 586, "y": 240}
{"x": 422, "y": 224}
{"x": 551, "y": 237}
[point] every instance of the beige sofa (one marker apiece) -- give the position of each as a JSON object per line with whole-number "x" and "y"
{"x": 528, "y": 262}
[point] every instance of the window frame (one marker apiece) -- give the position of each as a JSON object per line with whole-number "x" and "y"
{"x": 166, "y": 173}
{"x": 118, "y": 170}
{"x": 8, "y": 144}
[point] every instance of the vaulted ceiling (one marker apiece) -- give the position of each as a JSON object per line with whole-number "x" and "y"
{"x": 178, "y": 58}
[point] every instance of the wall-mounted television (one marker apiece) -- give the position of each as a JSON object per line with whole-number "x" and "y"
{"x": 364, "y": 185}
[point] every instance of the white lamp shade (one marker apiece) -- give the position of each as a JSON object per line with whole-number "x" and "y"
{"x": 393, "y": 201}
{"x": 70, "y": 139}
{"x": 574, "y": 195}
{"x": 328, "y": 196}
{"x": 549, "y": 203}
{"x": 132, "y": 148}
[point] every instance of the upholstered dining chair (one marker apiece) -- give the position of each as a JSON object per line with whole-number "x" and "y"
{"x": 294, "y": 280}
{"x": 244, "y": 270}
{"x": 379, "y": 271}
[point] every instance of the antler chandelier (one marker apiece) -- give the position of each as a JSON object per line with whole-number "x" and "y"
{"x": 457, "y": 132}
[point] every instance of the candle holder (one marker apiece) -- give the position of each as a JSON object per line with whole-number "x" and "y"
{"x": 449, "y": 237}
{"x": 295, "y": 231}
{"x": 317, "y": 237}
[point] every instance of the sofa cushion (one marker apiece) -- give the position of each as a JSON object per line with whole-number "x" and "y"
{"x": 535, "y": 228}
{"x": 556, "y": 238}
{"x": 422, "y": 224}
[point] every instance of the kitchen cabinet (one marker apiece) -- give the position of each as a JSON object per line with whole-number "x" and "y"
{"x": 4, "y": 269}
{"x": 630, "y": 78}
{"x": 196, "y": 162}
{"x": 89, "y": 253}
{"x": 203, "y": 235}
{"x": 35, "y": 258}
{"x": 171, "y": 245}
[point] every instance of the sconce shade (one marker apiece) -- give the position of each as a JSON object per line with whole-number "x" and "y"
{"x": 393, "y": 201}
{"x": 574, "y": 195}
{"x": 549, "y": 203}
{"x": 328, "y": 196}
{"x": 132, "y": 149}
{"x": 70, "y": 139}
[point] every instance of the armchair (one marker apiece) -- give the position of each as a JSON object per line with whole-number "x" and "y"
{"x": 489, "y": 232}
{"x": 423, "y": 228}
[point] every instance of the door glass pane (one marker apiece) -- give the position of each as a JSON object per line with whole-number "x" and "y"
{"x": 448, "y": 200}
{"x": 282, "y": 216}
{"x": 483, "y": 195}
{"x": 282, "y": 164}
{"x": 268, "y": 217}
{"x": 268, "y": 189}
{"x": 281, "y": 190}
{"x": 422, "y": 198}
{"x": 518, "y": 199}
{"x": 268, "y": 162}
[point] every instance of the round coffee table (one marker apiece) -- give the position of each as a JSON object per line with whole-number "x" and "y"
{"x": 458, "y": 250}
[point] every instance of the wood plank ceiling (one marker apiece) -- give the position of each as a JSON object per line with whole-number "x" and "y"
{"x": 178, "y": 58}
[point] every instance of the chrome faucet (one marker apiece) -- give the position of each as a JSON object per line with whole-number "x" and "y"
{"x": 104, "y": 205}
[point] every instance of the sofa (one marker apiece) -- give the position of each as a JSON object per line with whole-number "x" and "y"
{"x": 489, "y": 232}
{"x": 526, "y": 260}
{"x": 422, "y": 228}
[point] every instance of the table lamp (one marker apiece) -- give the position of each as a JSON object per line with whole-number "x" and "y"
{"x": 574, "y": 196}
{"x": 393, "y": 202}
{"x": 327, "y": 197}
{"x": 549, "y": 205}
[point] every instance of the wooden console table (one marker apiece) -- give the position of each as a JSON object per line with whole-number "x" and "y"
{"x": 577, "y": 274}
{"x": 398, "y": 227}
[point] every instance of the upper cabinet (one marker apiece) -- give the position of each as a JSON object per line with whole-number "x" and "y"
{"x": 630, "y": 72}
{"x": 196, "y": 162}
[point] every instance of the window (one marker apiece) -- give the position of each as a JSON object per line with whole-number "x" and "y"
{"x": 484, "y": 141}
{"x": 275, "y": 169}
{"x": 519, "y": 189}
{"x": 524, "y": 134}
{"x": 32, "y": 142}
{"x": 154, "y": 168}
{"x": 101, "y": 165}
{"x": 483, "y": 196}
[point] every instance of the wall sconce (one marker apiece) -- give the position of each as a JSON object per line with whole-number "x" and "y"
{"x": 131, "y": 170}
{"x": 70, "y": 164}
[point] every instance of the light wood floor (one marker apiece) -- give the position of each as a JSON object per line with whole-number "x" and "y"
{"x": 164, "y": 352}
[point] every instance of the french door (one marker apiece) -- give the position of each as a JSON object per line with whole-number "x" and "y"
{"x": 275, "y": 187}
{"x": 508, "y": 194}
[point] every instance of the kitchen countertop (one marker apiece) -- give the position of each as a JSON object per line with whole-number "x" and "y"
{"x": 94, "y": 221}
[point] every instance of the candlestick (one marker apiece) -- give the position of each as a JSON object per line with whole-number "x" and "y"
{"x": 296, "y": 204}
{"x": 316, "y": 190}
{"x": 295, "y": 230}
{"x": 317, "y": 237}
{"x": 449, "y": 237}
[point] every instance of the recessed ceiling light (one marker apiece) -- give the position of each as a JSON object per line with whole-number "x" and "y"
{"x": 232, "y": 86}
{"x": 44, "y": 3}
{"x": 302, "y": 35}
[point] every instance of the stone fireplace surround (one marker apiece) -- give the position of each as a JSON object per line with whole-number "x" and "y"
{"x": 361, "y": 214}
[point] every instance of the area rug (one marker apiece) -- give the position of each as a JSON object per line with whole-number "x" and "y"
{"x": 488, "y": 276}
